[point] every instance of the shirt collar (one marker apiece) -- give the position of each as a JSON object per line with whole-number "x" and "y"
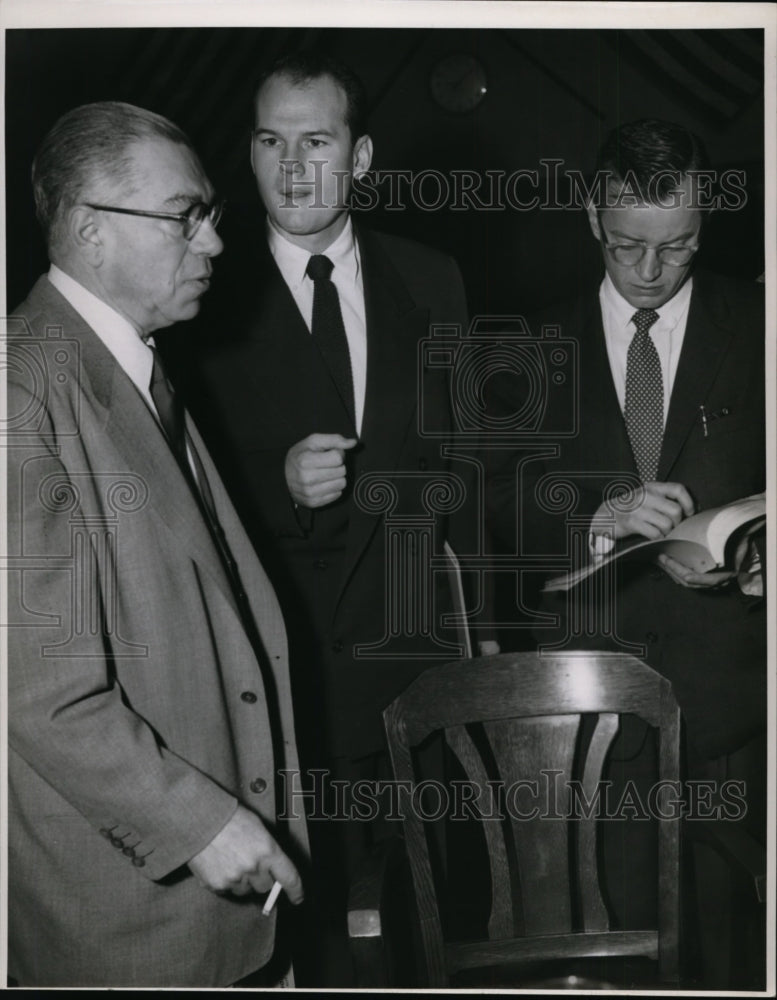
{"x": 292, "y": 260}
{"x": 114, "y": 330}
{"x": 622, "y": 311}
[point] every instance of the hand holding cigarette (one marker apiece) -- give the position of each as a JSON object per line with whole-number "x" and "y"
{"x": 244, "y": 857}
{"x": 269, "y": 903}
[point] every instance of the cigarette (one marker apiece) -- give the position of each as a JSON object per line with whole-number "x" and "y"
{"x": 269, "y": 903}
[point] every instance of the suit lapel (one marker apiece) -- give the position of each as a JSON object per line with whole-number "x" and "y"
{"x": 134, "y": 433}
{"x": 706, "y": 342}
{"x": 605, "y": 426}
{"x": 277, "y": 309}
{"x": 395, "y": 326}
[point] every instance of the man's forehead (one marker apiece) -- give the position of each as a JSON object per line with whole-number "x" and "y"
{"x": 284, "y": 99}
{"x": 170, "y": 169}
{"x": 669, "y": 218}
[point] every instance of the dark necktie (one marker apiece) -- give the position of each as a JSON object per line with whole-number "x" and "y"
{"x": 328, "y": 330}
{"x": 170, "y": 410}
{"x": 644, "y": 407}
{"x": 171, "y": 416}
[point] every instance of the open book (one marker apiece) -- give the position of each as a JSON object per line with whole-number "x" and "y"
{"x": 701, "y": 542}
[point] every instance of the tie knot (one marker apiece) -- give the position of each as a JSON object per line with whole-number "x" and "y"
{"x": 319, "y": 266}
{"x": 643, "y": 319}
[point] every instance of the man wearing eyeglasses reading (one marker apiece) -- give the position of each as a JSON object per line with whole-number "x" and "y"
{"x": 149, "y": 704}
{"x": 668, "y": 410}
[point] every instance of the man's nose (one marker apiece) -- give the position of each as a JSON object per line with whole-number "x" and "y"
{"x": 292, "y": 167}
{"x": 206, "y": 240}
{"x": 649, "y": 268}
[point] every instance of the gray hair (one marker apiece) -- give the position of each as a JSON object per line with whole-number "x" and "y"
{"x": 90, "y": 143}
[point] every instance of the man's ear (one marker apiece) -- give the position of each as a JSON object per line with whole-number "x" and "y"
{"x": 251, "y": 155}
{"x": 593, "y": 221}
{"x": 85, "y": 235}
{"x": 362, "y": 155}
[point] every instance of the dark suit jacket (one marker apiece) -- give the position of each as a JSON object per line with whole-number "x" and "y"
{"x": 260, "y": 387}
{"x": 710, "y": 644}
{"x": 132, "y": 736}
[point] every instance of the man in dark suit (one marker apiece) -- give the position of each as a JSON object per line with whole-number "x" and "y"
{"x": 149, "y": 701}
{"x": 669, "y": 421}
{"x": 311, "y": 401}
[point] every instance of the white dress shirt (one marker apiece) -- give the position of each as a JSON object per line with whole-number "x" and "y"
{"x": 667, "y": 333}
{"x": 133, "y": 354}
{"x": 115, "y": 331}
{"x": 292, "y": 262}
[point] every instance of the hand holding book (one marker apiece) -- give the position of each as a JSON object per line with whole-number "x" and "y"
{"x": 689, "y": 578}
{"x": 705, "y": 549}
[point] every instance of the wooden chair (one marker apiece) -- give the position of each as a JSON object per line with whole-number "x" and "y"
{"x": 546, "y": 900}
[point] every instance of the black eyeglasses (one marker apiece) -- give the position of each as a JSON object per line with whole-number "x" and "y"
{"x": 191, "y": 219}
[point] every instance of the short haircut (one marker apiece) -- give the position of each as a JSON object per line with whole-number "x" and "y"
{"x": 304, "y": 67}
{"x": 655, "y": 153}
{"x": 89, "y": 144}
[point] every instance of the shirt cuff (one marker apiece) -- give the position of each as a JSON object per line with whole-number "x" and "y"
{"x": 600, "y": 545}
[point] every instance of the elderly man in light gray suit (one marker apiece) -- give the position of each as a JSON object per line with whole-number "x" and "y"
{"x": 149, "y": 709}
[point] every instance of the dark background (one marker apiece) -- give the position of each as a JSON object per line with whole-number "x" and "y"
{"x": 551, "y": 93}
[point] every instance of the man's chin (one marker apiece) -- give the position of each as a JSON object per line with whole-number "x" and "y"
{"x": 182, "y": 314}
{"x": 652, "y": 298}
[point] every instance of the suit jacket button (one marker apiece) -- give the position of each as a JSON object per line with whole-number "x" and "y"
{"x": 129, "y": 851}
{"x": 139, "y": 862}
{"x": 248, "y": 696}
{"x": 321, "y": 564}
{"x": 337, "y": 646}
{"x": 258, "y": 785}
{"x": 105, "y": 832}
{"x": 651, "y": 637}
{"x": 423, "y": 465}
{"x": 117, "y": 841}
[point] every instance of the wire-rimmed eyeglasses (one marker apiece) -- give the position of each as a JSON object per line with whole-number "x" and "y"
{"x": 632, "y": 253}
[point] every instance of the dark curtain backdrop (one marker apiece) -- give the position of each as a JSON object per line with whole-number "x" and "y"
{"x": 551, "y": 94}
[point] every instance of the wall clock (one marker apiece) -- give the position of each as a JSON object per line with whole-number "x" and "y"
{"x": 458, "y": 82}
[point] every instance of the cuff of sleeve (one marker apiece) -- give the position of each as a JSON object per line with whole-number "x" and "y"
{"x": 304, "y": 516}
{"x": 600, "y": 545}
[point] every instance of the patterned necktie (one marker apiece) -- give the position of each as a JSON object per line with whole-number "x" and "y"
{"x": 329, "y": 331}
{"x": 644, "y": 408}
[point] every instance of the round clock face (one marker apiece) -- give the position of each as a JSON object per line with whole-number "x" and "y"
{"x": 458, "y": 82}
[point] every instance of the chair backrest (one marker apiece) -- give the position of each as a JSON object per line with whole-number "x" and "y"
{"x": 529, "y": 707}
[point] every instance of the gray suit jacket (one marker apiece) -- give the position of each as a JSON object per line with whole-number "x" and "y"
{"x": 140, "y": 713}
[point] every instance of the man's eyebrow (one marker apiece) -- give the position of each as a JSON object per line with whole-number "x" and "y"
{"x": 185, "y": 198}
{"x": 681, "y": 236}
{"x": 308, "y": 134}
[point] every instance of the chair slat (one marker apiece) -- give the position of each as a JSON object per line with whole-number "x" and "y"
{"x": 500, "y": 921}
{"x": 538, "y": 753}
{"x": 595, "y": 916}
